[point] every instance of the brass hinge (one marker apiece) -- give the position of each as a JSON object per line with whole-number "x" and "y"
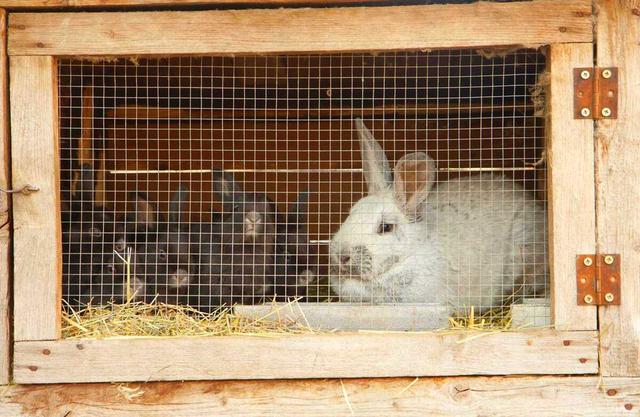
{"x": 595, "y": 94}
{"x": 598, "y": 279}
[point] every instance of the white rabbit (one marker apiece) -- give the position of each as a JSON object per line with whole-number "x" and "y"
{"x": 473, "y": 241}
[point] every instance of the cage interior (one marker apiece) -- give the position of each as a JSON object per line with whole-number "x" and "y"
{"x": 214, "y": 181}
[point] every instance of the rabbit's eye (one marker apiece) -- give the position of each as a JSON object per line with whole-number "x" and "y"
{"x": 385, "y": 228}
{"x": 162, "y": 254}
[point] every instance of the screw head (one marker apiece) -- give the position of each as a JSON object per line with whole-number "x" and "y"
{"x": 606, "y": 112}
{"x": 608, "y": 259}
{"x": 606, "y": 73}
{"x": 585, "y": 112}
{"x": 609, "y": 297}
{"x": 588, "y": 299}
{"x": 584, "y": 74}
{"x": 587, "y": 261}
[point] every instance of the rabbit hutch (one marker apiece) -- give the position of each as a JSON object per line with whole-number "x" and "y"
{"x": 376, "y": 208}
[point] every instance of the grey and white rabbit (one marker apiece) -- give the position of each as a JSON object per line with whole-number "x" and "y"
{"x": 472, "y": 241}
{"x": 239, "y": 267}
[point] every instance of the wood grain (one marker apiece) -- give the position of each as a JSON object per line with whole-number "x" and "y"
{"x": 618, "y": 189}
{"x": 340, "y": 355}
{"x": 570, "y": 156}
{"x": 263, "y": 31}
{"x": 50, "y": 4}
{"x": 545, "y": 396}
{"x": 36, "y": 250}
{"x": 5, "y": 210}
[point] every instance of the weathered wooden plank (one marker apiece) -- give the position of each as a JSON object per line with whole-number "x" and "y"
{"x": 571, "y": 186}
{"x": 618, "y": 188}
{"x": 5, "y": 207}
{"x": 435, "y": 397}
{"x": 301, "y": 30}
{"x": 50, "y": 4}
{"x": 36, "y": 217}
{"x": 341, "y": 355}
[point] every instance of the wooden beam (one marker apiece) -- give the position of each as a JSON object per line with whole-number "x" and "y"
{"x": 571, "y": 176}
{"x": 407, "y": 397}
{"x": 77, "y": 4}
{"x": 36, "y": 217}
{"x": 263, "y": 31}
{"x": 340, "y": 355}
{"x": 5, "y": 210}
{"x": 618, "y": 189}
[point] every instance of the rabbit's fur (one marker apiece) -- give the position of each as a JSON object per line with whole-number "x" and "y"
{"x": 473, "y": 241}
{"x": 296, "y": 258}
{"x": 239, "y": 267}
{"x": 89, "y": 236}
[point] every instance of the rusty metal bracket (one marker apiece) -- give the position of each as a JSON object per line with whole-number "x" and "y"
{"x": 595, "y": 94}
{"x": 598, "y": 279}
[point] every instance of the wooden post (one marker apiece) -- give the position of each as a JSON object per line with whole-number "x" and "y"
{"x": 571, "y": 185}
{"x": 618, "y": 188}
{"x": 5, "y": 210}
{"x": 36, "y": 217}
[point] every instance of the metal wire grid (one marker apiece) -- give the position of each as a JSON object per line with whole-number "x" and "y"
{"x": 144, "y": 143}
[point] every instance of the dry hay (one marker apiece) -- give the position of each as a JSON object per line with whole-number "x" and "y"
{"x": 162, "y": 320}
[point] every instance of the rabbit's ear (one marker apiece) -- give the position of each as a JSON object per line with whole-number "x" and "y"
{"x": 84, "y": 185}
{"x": 225, "y": 186}
{"x": 146, "y": 214}
{"x": 176, "y": 206}
{"x": 375, "y": 165}
{"x": 414, "y": 175}
{"x": 298, "y": 209}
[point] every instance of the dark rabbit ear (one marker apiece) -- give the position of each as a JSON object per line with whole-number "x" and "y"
{"x": 83, "y": 191}
{"x": 176, "y": 206}
{"x": 225, "y": 187}
{"x": 298, "y": 209}
{"x": 145, "y": 211}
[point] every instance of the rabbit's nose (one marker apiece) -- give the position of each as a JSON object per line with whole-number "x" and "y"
{"x": 254, "y": 217}
{"x": 344, "y": 259}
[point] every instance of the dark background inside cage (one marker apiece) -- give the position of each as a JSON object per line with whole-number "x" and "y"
{"x": 284, "y": 124}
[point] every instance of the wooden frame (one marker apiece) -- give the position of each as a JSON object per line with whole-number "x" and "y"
{"x": 341, "y": 355}
{"x": 617, "y": 167}
{"x": 495, "y": 396}
{"x": 34, "y": 146}
{"x": 540, "y": 22}
{"x": 5, "y": 207}
{"x": 35, "y": 40}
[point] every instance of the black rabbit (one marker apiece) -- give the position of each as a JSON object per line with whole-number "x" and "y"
{"x": 296, "y": 258}
{"x": 239, "y": 261}
{"x": 90, "y": 234}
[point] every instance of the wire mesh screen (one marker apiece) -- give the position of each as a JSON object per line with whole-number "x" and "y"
{"x": 409, "y": 178}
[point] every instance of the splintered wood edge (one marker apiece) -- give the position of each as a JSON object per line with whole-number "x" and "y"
{"x": 335, "y": 355}
{"x": 321, "y": 30}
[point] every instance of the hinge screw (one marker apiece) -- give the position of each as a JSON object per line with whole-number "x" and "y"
{"x": 585, "y": 75}
{"x": 585, "y": 112}
{"x": 606, "y": 112}
{"x": 588, "y": 299}
{"x": 606, "y": 73}
{"x": 609, "y": 297}
{"x": 588, "y": 261}
{"x": 608, "y": 259}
